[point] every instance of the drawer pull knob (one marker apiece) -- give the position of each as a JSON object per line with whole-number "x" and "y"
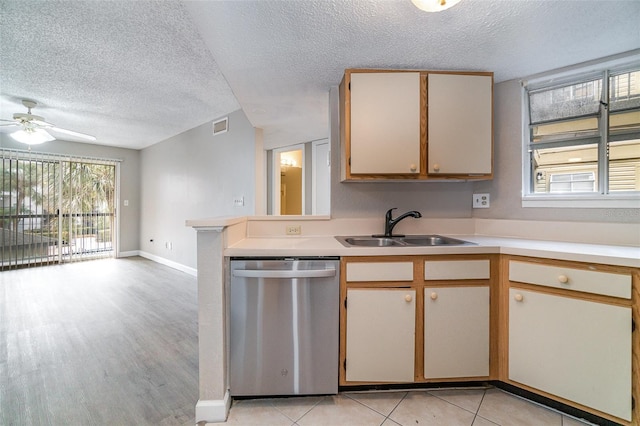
{"x": 436, "y": 167}
{"x": 519, "y": 297}
{"x": 413, "y": 167}
{"x": 563, "y": 279}
{"x": 434, "y": 296}
{"x": 408, "y": 298}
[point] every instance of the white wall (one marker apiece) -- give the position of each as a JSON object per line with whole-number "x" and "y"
{"x": 506, "y": 187}
{"x": 129, "y": 179}
{"x": 194, "y": 175}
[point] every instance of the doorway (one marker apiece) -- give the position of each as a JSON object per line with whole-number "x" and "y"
{"x": 288, "y": 170}
{"x": 55, "y": 209}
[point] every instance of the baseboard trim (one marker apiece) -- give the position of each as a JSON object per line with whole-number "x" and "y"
{"x": 129, "y": 253}
{"x": 213, "y": 410}
{"x": 169, "y": 263}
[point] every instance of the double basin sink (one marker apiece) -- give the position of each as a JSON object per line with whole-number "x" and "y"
{"x": 401, "y": 241}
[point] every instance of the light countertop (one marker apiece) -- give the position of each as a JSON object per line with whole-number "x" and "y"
{"x": 329, "y": 246}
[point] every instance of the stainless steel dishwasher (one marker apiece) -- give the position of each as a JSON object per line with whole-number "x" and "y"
{"x": 284, "y": 326}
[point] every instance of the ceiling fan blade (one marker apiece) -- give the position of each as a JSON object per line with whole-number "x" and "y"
{"x": 9, "y": 124}
{"x": 41, "y": 123}
{"x": 72, "y": 133}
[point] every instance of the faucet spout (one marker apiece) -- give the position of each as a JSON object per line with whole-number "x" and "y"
{"x": 390, "y": 223}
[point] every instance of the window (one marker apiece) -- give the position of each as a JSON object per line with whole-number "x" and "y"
{"x": 572, "y": 182}
{"x": 584, "y": 137}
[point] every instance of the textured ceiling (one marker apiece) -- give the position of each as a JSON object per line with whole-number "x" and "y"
{"x": 134, "y": 73}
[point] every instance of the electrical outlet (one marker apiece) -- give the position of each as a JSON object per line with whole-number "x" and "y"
{"x": 481, "y": 201}
{"x": 238, "y": 201}
{"x": 294, "y": 229}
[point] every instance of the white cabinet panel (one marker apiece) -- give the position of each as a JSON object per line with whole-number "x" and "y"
{"x": 456, "y": 332}
{"x": 379, "y": 271}
{"x": 457, "y": 269}
{"x": 380, "y": 335}
{"x": 460, "y": 130}
{"x": 385, "y": 123}
{"x": 575, "y": 349}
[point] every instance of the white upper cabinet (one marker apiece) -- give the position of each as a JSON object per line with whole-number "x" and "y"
{"x": 416, "y": 125}
{"x": 460, "y": 130}
{"x": 385, "y": 123}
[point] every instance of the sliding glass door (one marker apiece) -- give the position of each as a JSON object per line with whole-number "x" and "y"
{"x": 55, "y": 209}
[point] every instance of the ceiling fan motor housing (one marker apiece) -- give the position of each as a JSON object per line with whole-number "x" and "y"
{"x": 26, "y": 117}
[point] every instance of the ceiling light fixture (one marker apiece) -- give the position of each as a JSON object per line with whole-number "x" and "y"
{"x": 32, "y": 136}
{"x": 434, "y": 5}
{"x": 33, "y": 128}
{"x": 288, "y": 162}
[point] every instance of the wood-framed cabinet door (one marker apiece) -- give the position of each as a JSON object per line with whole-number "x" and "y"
{"x": 384, "y": 123}
{"x": 380, "y": 335}
{"x": 456, "y": 332}
{"x": 576, "y": 349}
{"x": 459, "y": 124}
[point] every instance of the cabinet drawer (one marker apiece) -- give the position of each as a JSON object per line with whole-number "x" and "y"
{"x": 604, "y": 283}
{"x": 379, "y": 271}
{"x": 456, "y": 269}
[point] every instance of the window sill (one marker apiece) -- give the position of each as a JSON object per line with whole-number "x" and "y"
{"x": 583, "y": 201}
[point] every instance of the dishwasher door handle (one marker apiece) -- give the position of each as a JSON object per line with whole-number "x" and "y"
{"x": 262, "y": 273}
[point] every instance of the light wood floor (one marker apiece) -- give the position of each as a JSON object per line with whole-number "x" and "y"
{"x": 104, "y": 342}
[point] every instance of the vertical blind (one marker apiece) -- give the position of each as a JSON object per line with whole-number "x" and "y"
{"x": 55, "y": 208}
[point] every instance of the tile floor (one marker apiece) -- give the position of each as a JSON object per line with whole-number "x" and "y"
{"x": 447, "y": 407}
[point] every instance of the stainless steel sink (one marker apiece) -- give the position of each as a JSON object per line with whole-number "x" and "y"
{"x": 432, "y": 240}
{"x": 370, "y": 241}
{"x": 405, "y": 241}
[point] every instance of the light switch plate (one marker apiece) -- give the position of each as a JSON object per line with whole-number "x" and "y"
{"x": 481, "y": 201}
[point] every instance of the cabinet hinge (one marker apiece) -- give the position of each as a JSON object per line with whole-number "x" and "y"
{"x": 349, "y": 85}
{"x": 633, "y": 400}
{"x": 349, "y": 161}
{"x": 633, "y": 325}
{"x": 345, "y": 303}
{"x": 344, "y": 365}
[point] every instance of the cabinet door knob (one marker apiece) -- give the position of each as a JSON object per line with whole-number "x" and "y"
{"x": 408, "y": 298}
{"x": 563, "y": 279}
{"x": 434, "y": 296}
{"x": 519, "y": 297}
{"x": 436, "y": 167}
{"x": 413, "y": 167}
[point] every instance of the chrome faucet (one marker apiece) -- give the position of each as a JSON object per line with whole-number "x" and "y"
{"x": 389, "y": 222}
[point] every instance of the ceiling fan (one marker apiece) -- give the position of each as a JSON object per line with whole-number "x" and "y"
{"x": 33, "y": 128}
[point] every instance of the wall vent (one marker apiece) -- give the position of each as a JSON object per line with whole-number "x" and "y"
{"x": 220, "y": 126}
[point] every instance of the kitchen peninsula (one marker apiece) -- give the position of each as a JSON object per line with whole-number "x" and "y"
{"x": 522, "y": 254}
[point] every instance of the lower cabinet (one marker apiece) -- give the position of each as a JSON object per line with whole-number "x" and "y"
{"x": 572, "y": 348}
{"x": 456, "y": 332}
{"x": 560, "y": 329}
{"x": 381, "y": 335}
{"x": 415, "y": 319}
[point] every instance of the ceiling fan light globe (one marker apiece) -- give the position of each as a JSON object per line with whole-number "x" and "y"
{"x": 434, "y": 5}
{"x": 32, "y": 136}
